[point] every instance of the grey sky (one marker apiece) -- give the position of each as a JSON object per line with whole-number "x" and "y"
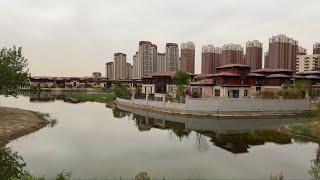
{"x": 77, "y": 37}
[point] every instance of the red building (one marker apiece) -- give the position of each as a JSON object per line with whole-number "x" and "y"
{"x": 282, "y": 52}
{"x": 253, "y": 56}
{"x": 232, "y": 54}
{"x": 211, "y": 58}
{"x": 187, "y": 57}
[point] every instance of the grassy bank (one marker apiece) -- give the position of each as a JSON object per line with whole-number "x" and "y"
{"x": 308, "y": 129}
{"x": 95, "y": 97}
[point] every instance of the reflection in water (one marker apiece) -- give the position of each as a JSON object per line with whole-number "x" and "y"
{"x": 233, "y": 135}
{"x": 11, "y": 165}
{"x": 206, "y": 147}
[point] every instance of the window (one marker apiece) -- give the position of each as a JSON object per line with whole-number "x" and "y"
{"x": 246, "y": 93}
{"x": 233, "y": 93}
{"x": 217, "y": 92}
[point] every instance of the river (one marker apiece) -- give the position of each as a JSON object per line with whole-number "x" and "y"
{"x": 93, "y": 140}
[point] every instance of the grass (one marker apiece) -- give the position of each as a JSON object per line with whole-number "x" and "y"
{"x": 96, "y": 97}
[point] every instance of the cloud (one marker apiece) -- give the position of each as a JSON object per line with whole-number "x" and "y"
{"x": 77, "y": 37}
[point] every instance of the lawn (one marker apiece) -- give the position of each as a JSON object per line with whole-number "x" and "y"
{"x": 98, "y": 97}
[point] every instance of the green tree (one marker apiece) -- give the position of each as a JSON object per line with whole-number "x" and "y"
{"x": 180, "y": 78}
{"x": 13, "y": 70}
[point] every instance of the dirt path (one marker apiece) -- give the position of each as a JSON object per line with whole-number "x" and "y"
{"x": 15, "y": 123}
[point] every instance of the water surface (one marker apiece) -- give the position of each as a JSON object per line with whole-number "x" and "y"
{"x": 93, "y": 140}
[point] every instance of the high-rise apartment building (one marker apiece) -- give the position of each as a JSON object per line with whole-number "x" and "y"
{"x": 161, "y": 62}
{"x": 210, "y": 59}
{"x": 128, "y": 71}
{"x": 232, "y": 54}
{"x": 136, "y": 66}
{"x": 253, "y": 56}
{"x": 110, "y": 70}
{"x": 172, "y": 57}
{"x": 266, "y": 59}
{"x": 282, "y": 52}
{"x": 316, "y": 48}
{"x": 302, "y": 51}
{"x": 120, "y": 61}
{"x": 307, "y": 63}
{"x": 147, "y": 53}
{"x": 187, "y": 57}
{"x": 154, "y": 51}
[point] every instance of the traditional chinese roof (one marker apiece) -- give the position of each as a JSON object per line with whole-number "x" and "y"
{"x": 233, "y": 65}
{"x": 309, "y": 73}
{"x": 271, "y": 70}
{"x": 255, "y": 75}
{"x": 313, "y": 77}
{"x": 204, "y": 82}
{"x": 278, "y": 76}
{"x": 225, "y": 74}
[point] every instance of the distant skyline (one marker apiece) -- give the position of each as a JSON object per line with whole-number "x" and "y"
{"x": 77, "y": 37}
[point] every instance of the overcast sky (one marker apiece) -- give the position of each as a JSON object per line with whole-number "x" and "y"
{"x": 77, "y": 37}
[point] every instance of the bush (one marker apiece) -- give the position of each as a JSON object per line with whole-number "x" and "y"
{"x": 121, "y": 91}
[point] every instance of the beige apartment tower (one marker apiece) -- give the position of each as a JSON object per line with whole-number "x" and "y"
{"x": 120, "y": 61}
{"x": 306, "y": 63}
{"x": 316, "y": 48}
{"x": 110, "y": 70}
{"x": 135, "y": 66}
{"x": 187, "y": 57}
{"x": 172, "y": 57}
{"x": 161, "y": 62}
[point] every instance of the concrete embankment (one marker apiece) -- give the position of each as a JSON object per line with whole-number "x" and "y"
{"x": 179, "y": 109}
{"x": 15, "y": 123}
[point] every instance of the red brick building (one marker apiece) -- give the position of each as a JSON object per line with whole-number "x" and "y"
{"x": 253, "y": 56}
{"x": 187, "y": 57}
{"x": 282, "y": 52}
{"x": 210, "y": 59}
{"x": 232, "y": 54}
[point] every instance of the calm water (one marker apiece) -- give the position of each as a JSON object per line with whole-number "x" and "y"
{"x": 92, "y": 140}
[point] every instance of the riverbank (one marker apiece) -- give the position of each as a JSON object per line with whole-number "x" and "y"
{"x": 15, "y": 123}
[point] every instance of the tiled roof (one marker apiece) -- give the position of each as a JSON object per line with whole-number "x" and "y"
{"x": 271, "y": 70}
{"x": 233, "y": 65}
{"x": 313, "y": 77}
{"x": 226, "y": 74}
{"x": 256, "y": 74}
{"x": 278, "y": 76}
{"x": 204, "y": 82}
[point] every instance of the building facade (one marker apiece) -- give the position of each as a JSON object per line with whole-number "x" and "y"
{"x": 136, "y": 66}
{"x": 253, "y": 56}
{"x": 161, "y": 62}
{"x": 232, "y": 54}
{"x": 145, "y": 58}
{"x": 210, "y": 59}
{"x": 110, "y": 70}
{"x": 120, "y": 62}
{"x": 282, "y": 52}
{"x": 307, "y": 63}
{"x": 302, "y": 51}
{"x": 187, "y": 57}
{"x": 129, "y": 71}
{"x": 154, "y": 51}
{"x": 316, "y": 48}
{"x": 172, "y": 57}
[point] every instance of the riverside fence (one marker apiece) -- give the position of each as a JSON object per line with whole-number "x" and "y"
{"x": 226, "y": 105}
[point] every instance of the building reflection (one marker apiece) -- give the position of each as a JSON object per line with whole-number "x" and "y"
{"x": 231, "y": 134}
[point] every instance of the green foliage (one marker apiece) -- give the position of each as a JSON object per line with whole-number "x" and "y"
{"x": 13, "y": 71}
{"x": 11, "y": 165}
{"x": 121, "y": 91}
{"x": 303, "y": 129}
{"x": 63, "y": 176}
{"x": 98, "y": 97}
{"x": 314, "y": 170}
{"x": 181, "y": 78}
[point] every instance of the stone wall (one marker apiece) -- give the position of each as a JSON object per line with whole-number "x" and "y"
{"x": 227, "y": 105}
